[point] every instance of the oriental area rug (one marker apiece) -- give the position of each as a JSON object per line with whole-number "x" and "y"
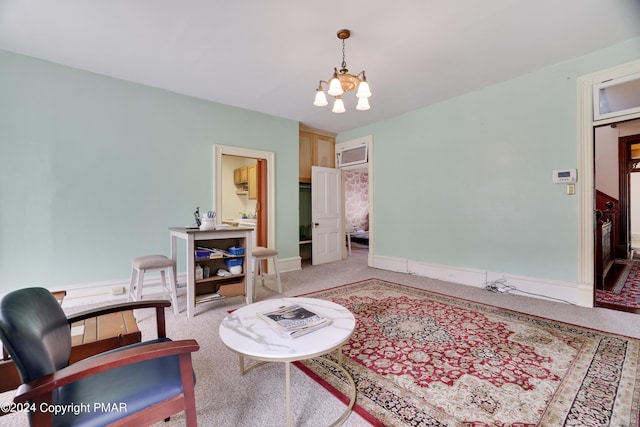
{"x": 420, "y": 358}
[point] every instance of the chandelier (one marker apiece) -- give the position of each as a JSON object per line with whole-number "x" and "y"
{"x": 342, "y": 82}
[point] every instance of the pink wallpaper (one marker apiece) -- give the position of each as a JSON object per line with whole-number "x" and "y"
{"x": 356, "y": 200}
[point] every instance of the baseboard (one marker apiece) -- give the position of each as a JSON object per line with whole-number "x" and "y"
{"x": 388, "y": 263}
{"x": 113, "y": 291}
{"x": 560, "y": 291}
{"x": 465, "y": 276}
{"x": 289, "y": 264}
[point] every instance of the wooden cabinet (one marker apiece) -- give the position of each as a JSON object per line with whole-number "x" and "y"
{"x": 317, "y": 148}
{"x": 253, "y": 181}
{"x": 306, "y": 160}
{"x": 241, "y": 175}
{"x": 246, "y": 179}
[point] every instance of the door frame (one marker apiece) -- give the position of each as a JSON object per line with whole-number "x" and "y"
{"x": 586, "y": 157}
{"x": 269, "y": 157}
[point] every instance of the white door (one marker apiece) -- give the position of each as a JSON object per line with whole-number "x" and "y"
{"x": 326, "y": 215}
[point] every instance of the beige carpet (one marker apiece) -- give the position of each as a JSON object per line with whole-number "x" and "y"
{"x": 224, "y": 398}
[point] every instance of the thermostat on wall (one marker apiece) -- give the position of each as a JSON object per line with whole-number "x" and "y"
{"x": 564, "y": 176}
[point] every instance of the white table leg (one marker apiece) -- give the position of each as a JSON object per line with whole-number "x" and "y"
{"x": 174, "y": 255}
{"x": 288, "y": 392}
{"x": 191, "y": 282}
{"x": 248, "y": 277}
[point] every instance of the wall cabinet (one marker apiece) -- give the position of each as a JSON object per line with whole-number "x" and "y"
{"x": 317, "y": 148}
{"x": 246, "y": 179}
{"x": 241, "y": 175}
{"x": 252, "y": 181}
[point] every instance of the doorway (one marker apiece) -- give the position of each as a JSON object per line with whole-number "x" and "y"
{"x": 362, "y": 220}
{"x": 265, "y": 172}
{"x": 629, "y": 167}
{"x": 617, "y": 163}
{"x": 585, "y": 289}
{"x": 356, "y": 208}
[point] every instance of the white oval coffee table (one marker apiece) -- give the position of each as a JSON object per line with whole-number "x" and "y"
{"x": 249, "y": 336}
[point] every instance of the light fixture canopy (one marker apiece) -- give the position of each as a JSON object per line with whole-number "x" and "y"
{"x": 342, "y": 82}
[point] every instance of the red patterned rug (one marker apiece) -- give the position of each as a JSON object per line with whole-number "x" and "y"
{"x": 626, "y": 291}
{"x": 420, "y": 358}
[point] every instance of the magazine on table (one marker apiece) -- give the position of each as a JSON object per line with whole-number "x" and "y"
{"x": 294, "y": 320}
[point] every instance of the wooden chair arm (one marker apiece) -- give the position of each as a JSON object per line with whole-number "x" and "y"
{"x": 101, "y": 363}
{"x": 159, "y": 305}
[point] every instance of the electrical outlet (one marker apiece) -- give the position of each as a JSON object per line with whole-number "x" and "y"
{"x": 118, "y": 290}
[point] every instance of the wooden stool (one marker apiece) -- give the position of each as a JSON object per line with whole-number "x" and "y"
{"x": 260, "y": 254}
{"x": 141, "y": 265}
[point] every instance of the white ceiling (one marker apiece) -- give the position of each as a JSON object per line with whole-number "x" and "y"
{"x": 268, "y": 56}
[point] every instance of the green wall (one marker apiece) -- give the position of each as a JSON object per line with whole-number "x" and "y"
{"x": 93, "y": 171}
{"x": 467, "y": 182}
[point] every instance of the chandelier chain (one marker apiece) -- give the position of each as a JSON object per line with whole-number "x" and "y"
{"x": 344, "y": 64}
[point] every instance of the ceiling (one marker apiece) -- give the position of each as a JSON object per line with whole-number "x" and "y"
{"x": 268, "y": 56}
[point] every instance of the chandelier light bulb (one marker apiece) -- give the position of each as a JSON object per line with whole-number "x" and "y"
{"x": 321, "y": 99}
{"x": 338, "y": 106}
{"x": 363, "y": 104}
{"x": 363, "y": 90}
{"x": 335, "y": 87}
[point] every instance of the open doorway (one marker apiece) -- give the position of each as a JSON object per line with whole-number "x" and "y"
{"x": 240, "y": 185}
{"x": 629, "y": 165}
{"x": 585, "y": 287}
{"x": 356, "y": 202}
{"x": 358, "y": 193}
{"x": 617, "y": 213}
{"x": 262, "y": 209}
{"x": 635, "y": 213}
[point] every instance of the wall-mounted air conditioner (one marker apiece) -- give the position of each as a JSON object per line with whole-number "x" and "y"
{"x": 355, "y": 155}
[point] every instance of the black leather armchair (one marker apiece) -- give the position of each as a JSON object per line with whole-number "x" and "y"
{"x": 130, "y": 386}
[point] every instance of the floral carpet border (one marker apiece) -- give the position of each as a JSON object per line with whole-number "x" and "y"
{"x": 600, "y": 387}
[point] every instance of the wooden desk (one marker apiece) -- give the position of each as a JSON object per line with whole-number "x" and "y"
{"x": 208, "y": 289}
